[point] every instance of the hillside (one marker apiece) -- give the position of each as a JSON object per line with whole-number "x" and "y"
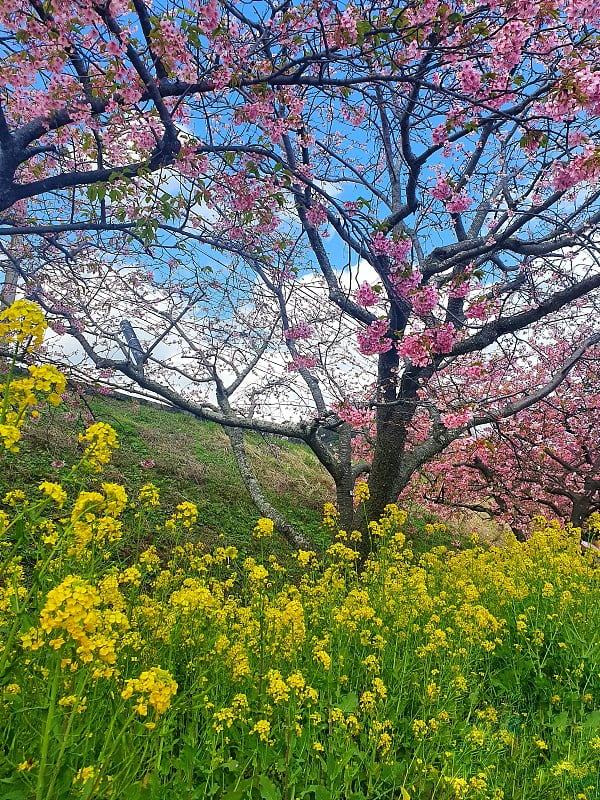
{"x": 187, "y": 459}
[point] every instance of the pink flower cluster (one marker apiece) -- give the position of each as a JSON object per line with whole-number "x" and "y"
{"x": 301, "y": 330}
{"x": 509, "y": 42}
{"x": 365, "y": 295}
{"x": 470, "y": 78}
{"x": 354, "y": 115}
{"x": 396, "y": 249}
{"x": 584, "y": 167}
{"x": 302, "y": 362}
{"x": 459, "y": 202}
{"x": 479, "y": 310}
{"x": 212, "y": 17}
{"x": 346, "y": 32}
{"x": 454, "y": 419}
{"x": 455, "y": 202}
{"x": 373, "y": 341}
{"x": 439, "y": 134}
{"x": 419, "y": 347}
{"x": 352, "y": 207}
{"x": 317, "y": 215}
{"x": 415, "y": 347}
{"x": 424, "y": 300}
{"x": 442, "y": 189}
{"x": 444, "y": 338}
{"x": 461, "y": 285}
{"x": 357, "y": 417}
{"x": 405, "y": 282}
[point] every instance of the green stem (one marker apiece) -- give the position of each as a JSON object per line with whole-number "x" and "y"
{"x": 6, "y": 387}
{"x": 105, "y": 757}
{"x": 47, "y": 732}
{"x": 65, "y": 737}
{"x": 28, "y": 510}
{"x": 17, "y": 623}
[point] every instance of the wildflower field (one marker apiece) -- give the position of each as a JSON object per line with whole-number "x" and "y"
{"x": 131, "y": 673}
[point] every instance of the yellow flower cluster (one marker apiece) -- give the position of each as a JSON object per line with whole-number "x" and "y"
{"x": 262, "y": 729}
{"x": 10, "y": 435}
{"x": 330, "y": 515}
{"x": 593, "y": 524}
{"x": 48, "y": 379}
{"x": 94, "y": 517}
{"x": 186, "y": 513}
{"x": 361, "y": 492}
{"x": 55, "y": 491}
{"x": 23, "y": 321}
{"x": 101, "y": 440}
{"x": 23, "y": 396}
{"x": 73, "y": 615}
{"x": 155, "y": 687}
{"x": 85, "y": 774}
{"x": 263, "y": 528}
{"x": 149, "y": 495}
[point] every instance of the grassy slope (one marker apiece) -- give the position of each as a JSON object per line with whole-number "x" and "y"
{"x": 193, "y": 461}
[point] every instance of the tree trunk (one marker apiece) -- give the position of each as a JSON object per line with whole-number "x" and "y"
{"x": 294, "y": 537}
{"x": 387, "y": 459}
{"x": 344, "y": 493}
{"x": 580, "y": 511}
{"x": 8, "y": 294}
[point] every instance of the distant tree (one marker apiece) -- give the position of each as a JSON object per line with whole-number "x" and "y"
{"x": 265, "y": 155}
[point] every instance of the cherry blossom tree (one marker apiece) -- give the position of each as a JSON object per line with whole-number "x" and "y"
{"x": 545, "y": 458}
{"x": 347, "y": 204}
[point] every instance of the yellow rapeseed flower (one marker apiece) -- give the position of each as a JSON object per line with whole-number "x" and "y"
{"x": 155, "y": 687}
{"x": 85, "y": 774}
{"x": 10, "y": 435}
{"x": 263, "y": 528}
{"x": 149, "y": 495}
{"x": 101, "y": 439}
{"x": 55, "y": 491}
{"x": 23, "y": 321}
{"x": 186, "y": 513}
{"x": 361, "y": 492}
{"x": 262, "y": 728}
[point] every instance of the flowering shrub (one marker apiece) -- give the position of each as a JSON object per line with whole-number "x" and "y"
{"x": 130, "y": 674}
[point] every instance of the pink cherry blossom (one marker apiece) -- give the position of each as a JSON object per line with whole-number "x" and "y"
{"x": 366, "y": 296}
{"x": 301, "y": 330}
{"x": 302, "y": 362}
{"x": 373, "y": 340}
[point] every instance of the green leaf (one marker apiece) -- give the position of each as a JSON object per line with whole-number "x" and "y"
{"x": 362, "y": 27}
{"x": 320, "y": 792}
{"x": 19, "y": 791}
{"x": 592, "y": 720}
{"x": 560, "y": 721}
{"x": 240, "y": 792}
{"x": 268, "y": 790}
{"x": 349, "y": 702}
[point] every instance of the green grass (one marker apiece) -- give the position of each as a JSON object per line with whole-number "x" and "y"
{"x": 192, "y": 461}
